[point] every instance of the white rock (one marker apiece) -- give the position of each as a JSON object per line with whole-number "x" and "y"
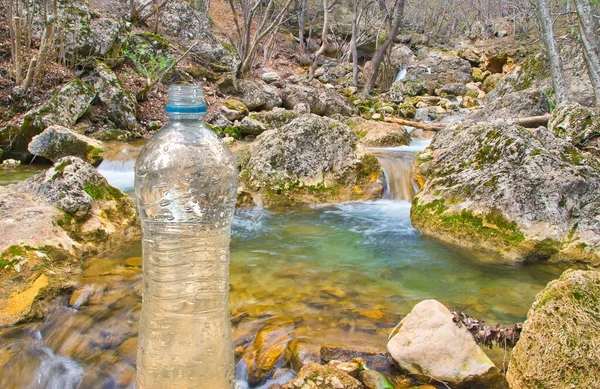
{"x": 428, "y": 342}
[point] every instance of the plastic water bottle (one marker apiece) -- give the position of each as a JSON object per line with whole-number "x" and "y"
{"x": 185, "y": 184}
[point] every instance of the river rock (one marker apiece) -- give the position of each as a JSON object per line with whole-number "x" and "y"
{"x": 75, "y": 187}
{"x": 315, "y": 376}
{"x": 86, "y": 36}
{"x": 575, "y": 123}
{"x": 374, "y": 133}
{"x": 56, "y": 142}
{"x": 43, "y": 244}
{"x": 120, "y": 105}
{"x": 401, "y": 55}
{"x": 180, "y": 21}
{"x": 324, "y": 103}
{"x": 434, "y": 71}
{"x": 558, "y": 344}
{"x": 524, "y": 194}
{"x": 234, "y": 109}
{"x": 300, "y": 352}
{"x": 276, "y": 118}
{"x": 313, "y": 159}
{"x": 64, "y": 108}
{"x": 265, "y": 352}
{"x": 255, "y": 95}
{"x": 427, "y": 342}
{"x": 249, "y": 126}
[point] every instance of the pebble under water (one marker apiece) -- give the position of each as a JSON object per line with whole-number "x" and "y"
{"x": 341, "y": 274}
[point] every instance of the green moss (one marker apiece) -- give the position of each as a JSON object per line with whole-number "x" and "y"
{"x": 102, "y": 192}
{"x": 11, "y": 256}
{"x": 492, "y": 227}
{"x": 229, "y": 47}
{"x": 236, "y": 105}
{"x": 369, "y": 166}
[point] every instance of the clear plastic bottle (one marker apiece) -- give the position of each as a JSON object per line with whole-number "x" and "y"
{"x": 185, "y": 184}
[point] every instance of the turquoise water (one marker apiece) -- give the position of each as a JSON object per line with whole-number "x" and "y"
{"x": 342, "y": 274}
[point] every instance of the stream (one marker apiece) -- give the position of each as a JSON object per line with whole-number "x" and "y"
{"x": 341, "y": 274}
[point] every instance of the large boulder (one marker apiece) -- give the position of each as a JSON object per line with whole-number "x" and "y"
{"x": 56, "y": 142}
{"x": 314, "y": 376}
{"x": 87, "y": 36}
{"x": 524, "y": 194}
{"x": 326, "y": 103}
{"x": 255, "y": 95}
{"x": 378, "y": 134}
{"x": 179, "y": 20}
{"x": 121, "y": 106}
{"x": 48, "y": 224}
{"x": 311, "y": 160}
{"x": 426, "y": 75}
{"x": 575, "y": 123}
{"x": 75, "y": 187}
{"x": 428, "y": 343}
{"x": 64, "y": 108}
{"x": 558, "y": 347}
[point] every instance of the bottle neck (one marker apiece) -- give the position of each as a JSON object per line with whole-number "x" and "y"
{"x": 187, "y": 117}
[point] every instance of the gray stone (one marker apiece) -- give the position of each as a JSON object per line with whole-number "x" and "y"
{"x": 428, "y": 343}
{"x": 524, "y": 194}
{"x": 401, "y": 55}
{"x": 558, "y": 345}
{"x": 455, "y": 89}
{"x": 250, "y": 126}
{"x": 121, "y": 107}
{"x": 64, "y": 108}
{"x": 255, "y": 95}
{"x": 56, "y": 142}
{"x": 180, "y": 21}
{"x": 270, "y": 77}
{"x": 378, "y": 134}
{"x": 276, "y": 118}
{"x": 311, "y": 152}
{"x": 326, "y": 103}
{"x": 313, "y": 376}
{"x": 87, "y": 37}
{"x": 71, "y": 185}
{"x": 574, "y": 123}
{"x": 219, "y": 120}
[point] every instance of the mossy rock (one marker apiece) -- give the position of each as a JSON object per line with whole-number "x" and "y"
{"x": 236, "y": 105}
{"x": 558, "y": 344}
{"x": 64, "y": 108}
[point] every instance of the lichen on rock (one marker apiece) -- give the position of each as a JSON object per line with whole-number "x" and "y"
{"x": 526, "y": 195}
{"x": 64, "y": 108}
{"x": 558, "y": 344}
{"x": 311, "y": 160}
{"x": 56, "y": 142}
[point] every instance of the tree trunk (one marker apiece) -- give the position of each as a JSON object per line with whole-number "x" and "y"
{"x": 558, "y": 77}
{"x": 313, "y": 67}
{"x": 353, "y": 43}
{"x": 381, "y": 50}
{"x": 132, "y": 13}
{"x": 301, "y": 24}
{"x": 591, "y": 48}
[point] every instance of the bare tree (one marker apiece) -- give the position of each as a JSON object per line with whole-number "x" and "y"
{"x": 324, "y": 42}
{"x": 302, "y": 6}
{"x": 355, "y": 20}
{"x": 547, "y": 35}
{"x": 591, "y": 48}
{"x": 397, "y": 13}
{"x": 250, "y": 35}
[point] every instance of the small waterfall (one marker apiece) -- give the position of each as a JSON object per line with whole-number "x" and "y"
{"x": 119, "y": 163}
{"x": 397, "y": 167}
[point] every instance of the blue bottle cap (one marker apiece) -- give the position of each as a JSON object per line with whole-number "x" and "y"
{"x": 186, "y": 99}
